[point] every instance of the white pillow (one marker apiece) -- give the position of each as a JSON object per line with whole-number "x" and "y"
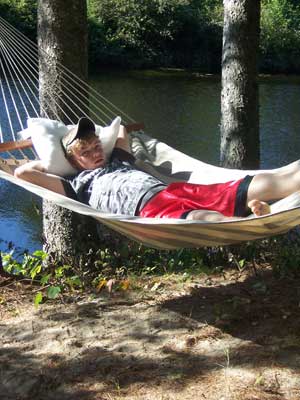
{"x": 46, "y": 135}
{"x": 108, "y": 135}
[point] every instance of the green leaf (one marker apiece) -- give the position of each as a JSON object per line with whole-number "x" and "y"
{"x": 60, "y": 271}
{"x": 45, "y": 279}
{"x": 53, "y": 292}
{"x": 35, "y": 270}
{"x": 40, "y": 254}
{"x": 38, "y": 299}
{"x": 74, "y": 281}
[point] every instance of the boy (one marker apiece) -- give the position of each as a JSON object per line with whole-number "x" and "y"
{"x": 116, "y": 186}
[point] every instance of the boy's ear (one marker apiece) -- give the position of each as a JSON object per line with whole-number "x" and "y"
{"x": 72, "y": 159}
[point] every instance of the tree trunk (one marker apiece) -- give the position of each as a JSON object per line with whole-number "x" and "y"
{"x": 62, "y": 38}
{"x": 239, "y": 98}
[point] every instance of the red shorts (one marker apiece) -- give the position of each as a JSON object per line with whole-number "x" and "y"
{"x": 179, "y": 198}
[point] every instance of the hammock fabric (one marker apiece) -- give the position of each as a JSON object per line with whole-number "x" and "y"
{"x": 153, "y": 156}
{"x": 19, "y": 88}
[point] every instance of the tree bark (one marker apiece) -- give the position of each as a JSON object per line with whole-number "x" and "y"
{"x": 62, "y": 38}
{"x": 239, "y": 97}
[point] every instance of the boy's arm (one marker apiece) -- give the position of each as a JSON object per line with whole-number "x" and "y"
{"x": 122, "y": 141}
{"x": 34, "y": 172}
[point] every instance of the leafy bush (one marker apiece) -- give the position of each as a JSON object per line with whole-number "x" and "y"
{"x": 22, "y": 14}
{"x": 124, "y": 261}
{"x": 172, "y": 33}
{"x": 280, "y": 36}
{"x": 30, "y": 266}
{"x": 143, "y": 33}
{"x": 117, "y": 259}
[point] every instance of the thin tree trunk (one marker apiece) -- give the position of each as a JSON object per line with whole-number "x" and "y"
{"x": 239, "y": 98}
{"x": 62, "y": 38}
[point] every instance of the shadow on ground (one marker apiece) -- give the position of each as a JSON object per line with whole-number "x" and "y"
{"x": 85, "y": 351}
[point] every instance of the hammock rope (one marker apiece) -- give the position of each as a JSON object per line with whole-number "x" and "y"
{"x": 19, "y": 94}
{"x": 67, "y": 75}
{"x": 21, "y": 56}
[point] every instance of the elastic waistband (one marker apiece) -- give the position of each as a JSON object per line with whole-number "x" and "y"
{"x": 241, "y": 208}
{"x": 148, "y": 196}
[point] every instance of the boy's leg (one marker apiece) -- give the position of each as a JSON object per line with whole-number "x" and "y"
{"x": 257, "y": 207}
{"x": 266, "y": 187}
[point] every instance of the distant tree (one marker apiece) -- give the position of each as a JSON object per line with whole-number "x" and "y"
{"x": 239, "y": 98}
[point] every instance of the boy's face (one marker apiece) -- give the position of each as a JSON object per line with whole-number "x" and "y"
{"x": 89, "y": 155}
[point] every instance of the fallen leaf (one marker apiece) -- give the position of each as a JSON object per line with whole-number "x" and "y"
{"x": 125, "y": 284}
{"x": 156, "y": 286}
{"x": 101, "y": 285}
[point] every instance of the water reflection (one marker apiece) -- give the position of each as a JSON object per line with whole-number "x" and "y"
{"x": 185, "y": 113}
{"x": 19, "y": 219}
{"x": 280, "y": 123}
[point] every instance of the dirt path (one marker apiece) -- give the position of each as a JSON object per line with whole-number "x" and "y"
{"x": 225, "y": 338}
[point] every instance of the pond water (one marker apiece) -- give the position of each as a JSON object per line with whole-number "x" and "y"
{"x": 181, "y": 110}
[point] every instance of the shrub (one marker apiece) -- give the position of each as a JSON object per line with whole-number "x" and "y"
{"x": 22, "y": 14}
{"x": 146, "y": 33}
{"x": 280, "y": 36}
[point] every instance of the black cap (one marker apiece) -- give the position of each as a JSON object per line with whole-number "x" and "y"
{"x": 84, "y": 127}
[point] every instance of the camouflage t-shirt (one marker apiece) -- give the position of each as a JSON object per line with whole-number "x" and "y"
{"x": 117, "y": 188}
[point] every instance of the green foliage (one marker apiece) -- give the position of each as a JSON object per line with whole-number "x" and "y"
{"x": 30, "y": 266}
{"x": 116, "y": 259}
{"x": 280, "y": 36}
{"x": 125, "y": 258}
{"x": 172, "y": 33}
{"x": 285, "y": 254}
{"x": 53, "y": 292}
{"x": 213, "y": 10}
{"x": 52, "y": 281}
{"x": 22, "y": 14}
{"x": 121, "y": 258}
{"x": 120, "y": 262}
{"x": 38, "y": 299}
{"x": 186, "y": 33}
{"x": 143, "y": 33}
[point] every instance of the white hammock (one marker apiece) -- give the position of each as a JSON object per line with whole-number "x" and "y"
{"x": 19, "y": 100}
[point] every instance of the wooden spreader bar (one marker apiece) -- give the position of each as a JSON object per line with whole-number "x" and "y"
{"x": 25, "y": 144}
{"x": 18, "y": 145}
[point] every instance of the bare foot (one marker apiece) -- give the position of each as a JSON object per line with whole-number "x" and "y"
{"x": 259, "y": 208}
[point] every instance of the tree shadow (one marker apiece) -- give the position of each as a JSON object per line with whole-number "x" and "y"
{"x": 95, "y": 372}
{"x": 258, "y": 309}
{"x": 114, "y": 347}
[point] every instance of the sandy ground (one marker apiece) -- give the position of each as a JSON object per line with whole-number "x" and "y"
{"x": 233, "y": 336}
